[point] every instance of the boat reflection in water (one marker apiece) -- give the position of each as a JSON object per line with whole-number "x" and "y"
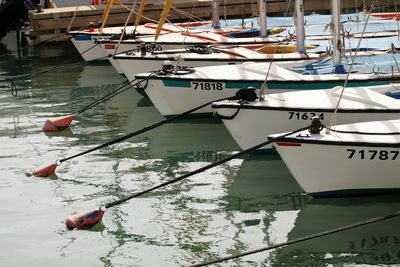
{"x": 377, "y": 243}
{"x": 272, "y": 189}
{"x": 262, "y": 203}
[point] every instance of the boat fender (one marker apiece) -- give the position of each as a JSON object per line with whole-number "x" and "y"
{"x": 316, "y": 125}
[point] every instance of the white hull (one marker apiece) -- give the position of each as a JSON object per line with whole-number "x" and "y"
{"x": 178, "y": 41}
{"x": 132, "y": 63}
{"x": 88, "y": 49}
{"x": 175, "y": 94}
{"x": 251, "y": 127}
{"x": 131, "y": 67}
{"x": 174, "y": 100}
{"x": 109, "y": 50}
{"x": 85, "y": 41}
{"x": 292, "y": 110}
{"x": 345, "y": 163}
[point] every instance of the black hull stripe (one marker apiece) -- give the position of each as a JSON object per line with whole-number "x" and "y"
{"x": 336, "y": 143}
{"x": 378, "y": 111}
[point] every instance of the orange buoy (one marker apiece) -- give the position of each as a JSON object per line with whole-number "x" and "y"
{"x": 57, "y": 124}
{"x": 43, "y": 171}
{"x": 84, "y": 220}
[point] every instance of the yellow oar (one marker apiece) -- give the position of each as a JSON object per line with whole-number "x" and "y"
{"x": 164, "y": 14}
{"x": 275, "y": 30}
{"x": 140, "y": 12}
{"x": 107, "y": 12}
{"x": 280, "y": 49}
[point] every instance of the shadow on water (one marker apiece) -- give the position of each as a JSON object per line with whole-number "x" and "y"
{"x": 264, "y": 183}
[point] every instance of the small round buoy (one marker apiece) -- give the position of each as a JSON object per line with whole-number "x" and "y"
{"x": 84, "y": 220}
{"x": 57, "y": 124}
{"x": 43, "y": 171}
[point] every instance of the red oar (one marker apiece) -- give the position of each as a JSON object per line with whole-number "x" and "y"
{"x": 61, "y": 123}
{"x": 89, "y": 219}
{"x": 244, "y": 94}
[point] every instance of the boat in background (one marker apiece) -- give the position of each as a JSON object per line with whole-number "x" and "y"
{"x": 85, "y": 40}
{"x": 133, "y": 62}
{"x": 201, "y": 85}
{"x": 349, "y": 159}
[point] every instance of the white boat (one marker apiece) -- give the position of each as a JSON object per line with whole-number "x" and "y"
{"x": 130, "y": 63}
{"x": 250, "y": 122}
{"x": 180, "y": 40}
{"x": 204, "y": 84}
{"x": 85, "y": 40}
{"x": 359, "y": 158}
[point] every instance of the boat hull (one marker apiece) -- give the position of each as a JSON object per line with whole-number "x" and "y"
{"x": 87, "y": 48}
{"x": 339, "y": 169}
{"x": 251, "y": 127}
{"x": 167, "y": 94}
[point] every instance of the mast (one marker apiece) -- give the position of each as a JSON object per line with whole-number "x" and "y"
{"x": 299, "y": 19}
{"x": 337, "y": 41}
{"x": 262, "y": 10}
{"x": 215, "y": 15}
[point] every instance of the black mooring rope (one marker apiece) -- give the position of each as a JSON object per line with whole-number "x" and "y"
{"x": 209, "y": 166}
{"x": 301, "y": 239}
{"x": 148, "y": 128}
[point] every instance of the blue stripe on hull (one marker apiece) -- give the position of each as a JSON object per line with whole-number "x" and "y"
{"x": 82, "y": 37}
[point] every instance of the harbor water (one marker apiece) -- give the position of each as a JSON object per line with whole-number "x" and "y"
{"x": 248, "y": 203}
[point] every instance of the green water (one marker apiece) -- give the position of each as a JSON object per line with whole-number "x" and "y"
{"x": 246, "y": 204}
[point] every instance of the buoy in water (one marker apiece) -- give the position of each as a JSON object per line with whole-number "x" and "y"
{"x": 57, "y": 124}
{"x": 84, "y": 220}
{"x": 43, "y": 171}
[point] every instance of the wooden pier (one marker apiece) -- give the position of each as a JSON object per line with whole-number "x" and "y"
{"x": 51, "y": 24}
